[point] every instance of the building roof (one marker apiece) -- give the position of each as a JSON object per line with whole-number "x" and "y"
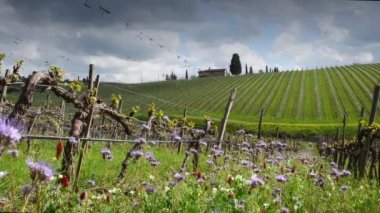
{"x": 214, "y": 70}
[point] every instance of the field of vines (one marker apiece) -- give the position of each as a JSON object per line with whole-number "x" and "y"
{"x": 311, "y": 96}
{"x": 73, "y": 152}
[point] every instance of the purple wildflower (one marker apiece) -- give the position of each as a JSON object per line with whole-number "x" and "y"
{"x": 255, "y": 181}
{"x": 9, "y": 132}
{"x": 334, "y": 172}
{"x": 213, "y": 182}
{"x": 246, "y": 144}
{"x": 320, "y": 182}
{"x": 261, "y": 144}
{"x": 210, "y": 162}
{"x": 216, "y": 152}
{"x": 40, "y": 170}
{"x": 149, "y": 156}
{"x": 240, "y": 132}
{"x": 137, "y": 153}
{"x": 200, "y": 180}
{"x": 106, "y": 153}
{"x": 141, "y": 140}
{"x": 154, "y": 163}
{"x": 179, "y": 176}
{"x": 150, "y": 189}
{"x": 345, "y": 173}
{"x": 26, "y": 189}
{"x": 282, "y": 178}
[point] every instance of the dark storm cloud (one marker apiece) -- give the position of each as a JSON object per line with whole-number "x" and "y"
{"x": 291, "y": 32}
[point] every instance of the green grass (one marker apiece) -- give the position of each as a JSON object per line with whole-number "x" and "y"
{"x": 299, "y": 194}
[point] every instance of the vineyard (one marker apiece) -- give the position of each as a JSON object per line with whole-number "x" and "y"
{"x": 311, "y": 96}
{"x": 64, "y": 149}
{"x": 301, "y": 103}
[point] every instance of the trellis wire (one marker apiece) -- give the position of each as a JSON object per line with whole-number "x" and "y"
{"x": 102, "y": 139}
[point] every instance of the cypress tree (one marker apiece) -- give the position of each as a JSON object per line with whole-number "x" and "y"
{"x": 235, "y": 66}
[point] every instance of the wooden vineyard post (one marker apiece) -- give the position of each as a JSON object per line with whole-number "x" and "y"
{"x": 4, "y": 92}
{"x": 367, "y": 144}
{"x": 226, "y": 115}
{"x": 30, "y": 129}
{"x": 87, "y": 129}
{"x": 62, "y": 111}
{"x": 260, "y": 121}
{"x": 182, "y": 131}
{"x": 342, "y": 153}
{"x": 375, "y": 102}
{"x": 360, "y": 125}
{"x": 337, "y": 141}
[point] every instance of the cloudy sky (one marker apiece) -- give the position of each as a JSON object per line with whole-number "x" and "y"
{"x": 134, "y": 40}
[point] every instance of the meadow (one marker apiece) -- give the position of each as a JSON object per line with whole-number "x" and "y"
{"x": 228, "y": 186}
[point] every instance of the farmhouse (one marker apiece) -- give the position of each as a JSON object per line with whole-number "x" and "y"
{"x": 212, "y": 72}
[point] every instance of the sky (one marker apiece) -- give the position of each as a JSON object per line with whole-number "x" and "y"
{"x": 135, "y": 41}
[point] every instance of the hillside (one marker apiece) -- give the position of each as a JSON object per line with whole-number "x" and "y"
{"x": 312, "y": 96}
{"x": 304, "y": 103}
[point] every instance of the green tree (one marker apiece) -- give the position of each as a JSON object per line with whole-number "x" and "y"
{"x": 250, "y": 70}
{"x": 187, "y": 76}
{"x": 235, "y": 66}
{"x": 246, "y": 69}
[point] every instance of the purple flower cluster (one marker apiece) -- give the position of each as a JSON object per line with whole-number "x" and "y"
{"x": 137, "y": 154}
{"x": 281, "y": 178}
{"x": 106, "y": 154}
{"x": 343, "y": 173}
{"x": 40, "y": 170}
{"x": 153, "y": 162}
{"x": 141, "y": 140}
{"x": 217, "y": 152}
{"x": 9, "y": 133}
{"x": 261, "y": 144}
{"x": 178, "y": 176}
{"x": 247, "y": 163}
{"x": 255, "y": 181}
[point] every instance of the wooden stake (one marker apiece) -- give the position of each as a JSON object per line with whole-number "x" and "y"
{"x": 375, "y": 102}
{"x": 260, "y": 121}
{"x": 88, "y": 126}
{"x": 182, "y": 131}
{"x": 226, "y": 115}
{"x": 5, "y": 88}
